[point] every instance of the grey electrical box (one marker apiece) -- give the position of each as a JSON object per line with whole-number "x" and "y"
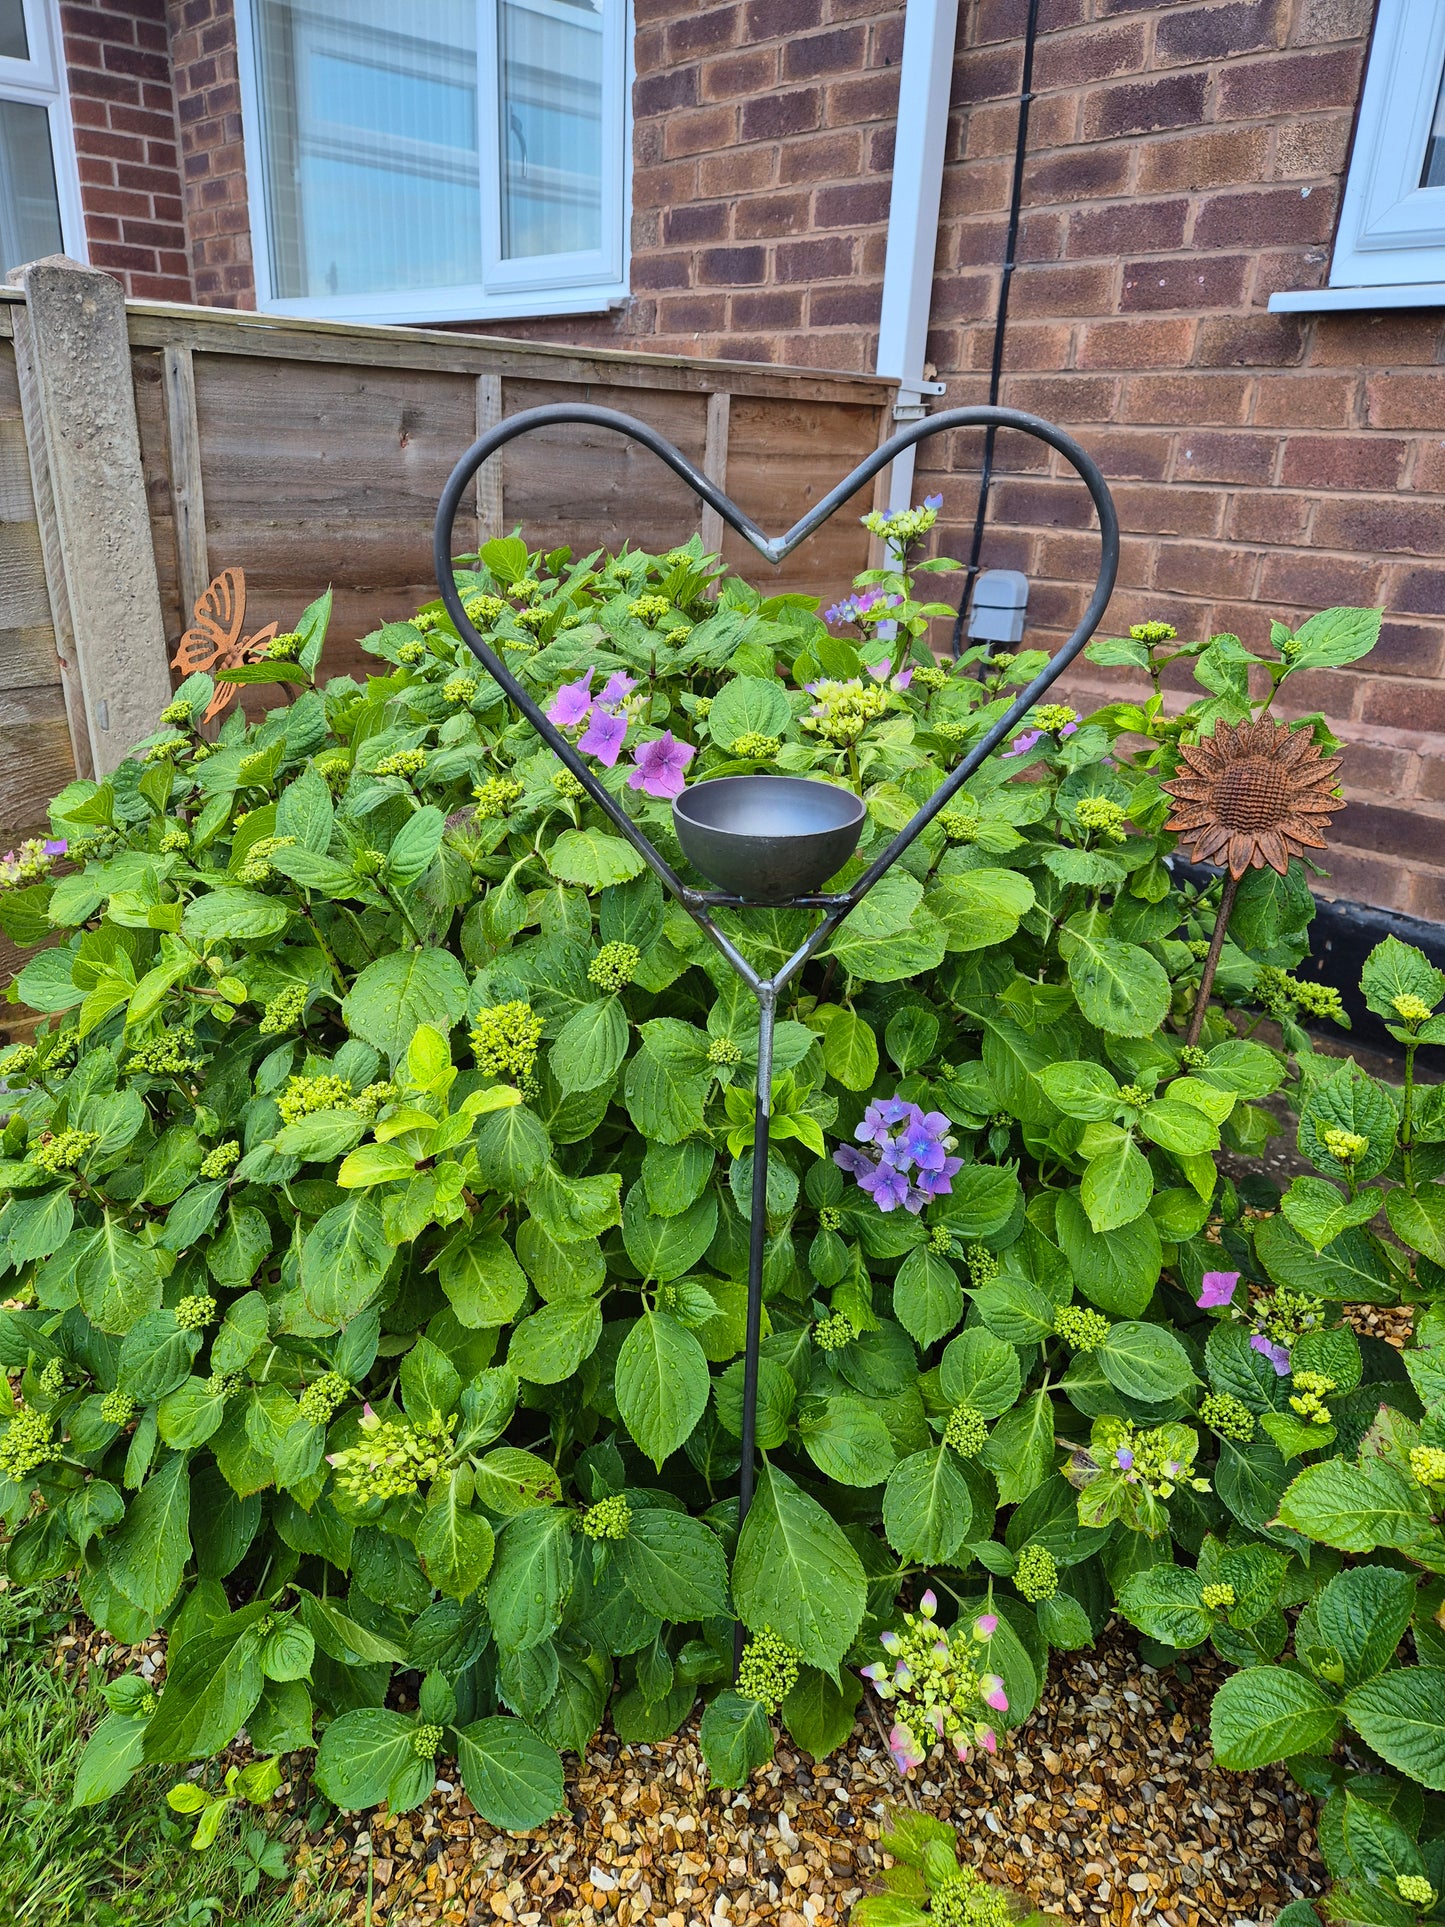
{"x": 1000, "y": 602}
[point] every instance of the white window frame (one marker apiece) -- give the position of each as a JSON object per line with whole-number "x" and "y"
{"x": 41, "y": 81}
{"x": 1390, "y": 247}
{"x": 586, "y": 283}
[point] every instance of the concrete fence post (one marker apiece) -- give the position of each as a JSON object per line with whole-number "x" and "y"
{"x": 78, "y": 402}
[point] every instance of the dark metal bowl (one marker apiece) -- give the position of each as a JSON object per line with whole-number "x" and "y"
{"x": 768, "y": 838}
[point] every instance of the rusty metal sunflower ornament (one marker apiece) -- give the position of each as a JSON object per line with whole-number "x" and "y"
{"x": 1250, "y": 794}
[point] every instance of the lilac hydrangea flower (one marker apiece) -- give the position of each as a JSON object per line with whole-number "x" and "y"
{"x": 880, "y": 1117}
{"x": 923, "y": 1138}
{"x": 887, "y": 1186}
{"x": 603, "y": 735}
{"x": 853, "y": 1161}
{"x": 1022, "y": 744}
{"x": 1124, "y": 1459}
{"x": 618, "y": 687}
{"x": 934, "y": 502}
{"x": 661, "y": 766}
{"x": 1278, "y": 1355}
{"x": 572, "y": 703}
{"x": 1217, "y": 1289}
{"x": 56, "y": 846}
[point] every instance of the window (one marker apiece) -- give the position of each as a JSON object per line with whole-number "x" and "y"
{"x": 446, "y": 160}
{"x": 1390, "y": 248}
{"x": 39, "y": 192}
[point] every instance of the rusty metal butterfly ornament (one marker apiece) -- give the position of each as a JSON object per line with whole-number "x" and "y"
{"x": 214, "y": 640}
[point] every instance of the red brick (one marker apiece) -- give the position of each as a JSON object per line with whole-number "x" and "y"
{"x": 1406, "y": 401}
{"x": 1207, "y": 569}
{"x": 774, "y": 308}
{"x": 1073, "y": 60}
{"x": 1375, "y": 341}
{"x": 729, "y": 267}
{"x": 844, "y": 306}
{"x": 1342, "y": 461}
{"x": 1266, "y": 515}
{"x": 1270, "y": 214}
{"x": 1420, "y": 592}
{"x": 695, "y": 221}
{"x": 1291, "y": 83}
{"x": 696, "y": 132}
{"x": 776, "y": 115}
{"x": 1404, "y": 649}
{"x": 763, "y": 216}
{"x": 737, "y": 170}
{"x": 1129, "y": 228}
{"x": 774, "y": 19}
{"x": 839, "y": 52}
{"x": 1155, "y": 343}
{"x": 736, "y": 76}
{"x": 1140, "y": 107}
{"x": 1394, "y": 527}
{"x": 824, "y": 258}
{"x": 1080, "y": 290}
{"x": 704, "y": 33}
{"x": 821, "y": 157}
{"x": 1076, "y": 174}
{"x": 1311, "y": 400}
{"x": 1212, "y": 33}
{"x": 1163, "y": 511}
{"x": 1213, "y": 457}
{"x": 1186, "y": 399}
{"x": 1198, "y": 161}
{"x": 1306, "y": 579}
{"x": 664, "y": 93}
{"x": 1250, "y": 341}
{"x": 858, "y": 204}
{"x": 1214, "y": 281}
{"x": 653, "y": 271}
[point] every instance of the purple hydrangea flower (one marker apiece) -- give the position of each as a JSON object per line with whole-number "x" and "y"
{"x": 851, "y": 1160}
{"x": 1278, "y": 1355}
{"x": 924, "y": 1140}
{"x": 1023, "y": 744}
{"x": 618, "y": 687}
{"x": 1124, "y": 1459}
{"x": 661, "y": 766}
{"x": 939, "y": 1184}
{"x": 887, "y": 1186}
{"x": 879, "y": 1119}
{"x": 572, "y": 703}
{"x": 1217, "y": 1289}
{"x": 56, "y": 846}
{"x": 603, "y": 736}
{"x": 934, "y": 502}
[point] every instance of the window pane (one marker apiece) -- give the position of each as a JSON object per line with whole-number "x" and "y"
{"x": 29, "y": 205}
{"x": 551, "y": 126}
{"x": 13, "y": 42}
{"x": 1433, "y": 174}
{"x": 371, "y": 145}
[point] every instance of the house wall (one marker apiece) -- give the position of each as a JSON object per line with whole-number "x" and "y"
{"x": 1185, "y": 161}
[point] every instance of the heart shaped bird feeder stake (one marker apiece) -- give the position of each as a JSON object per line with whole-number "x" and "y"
{"x": 770, "y": 839}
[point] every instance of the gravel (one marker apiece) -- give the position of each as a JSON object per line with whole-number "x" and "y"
{"x": 1105, "y": 1806}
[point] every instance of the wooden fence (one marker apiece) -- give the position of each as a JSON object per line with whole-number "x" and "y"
{"x": 143, "y": 448}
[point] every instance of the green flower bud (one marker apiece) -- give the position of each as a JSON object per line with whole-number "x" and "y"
{"x": 768, "y": 1670}
{"x": 966, "y": 1431}
{"x": 1036, "y": 1575}
{"x": 610, "y": 1518}
{"x": 614, "y": 966}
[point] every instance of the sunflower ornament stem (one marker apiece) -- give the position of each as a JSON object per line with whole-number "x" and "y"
{"x": 1211, "y": 961}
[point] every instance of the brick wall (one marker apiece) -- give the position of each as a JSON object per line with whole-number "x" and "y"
{"x": 213, "y": 159}
{"x": 118, "y": 59}
{"x": 1185, "y": 161}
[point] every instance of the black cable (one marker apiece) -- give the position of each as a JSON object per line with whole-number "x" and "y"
{"x": 1000, "y": 325}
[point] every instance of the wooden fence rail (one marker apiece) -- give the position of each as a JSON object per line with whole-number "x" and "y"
{"x": 143, "y": 448}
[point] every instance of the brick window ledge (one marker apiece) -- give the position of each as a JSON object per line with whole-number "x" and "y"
{"x": 1420, "y": 294}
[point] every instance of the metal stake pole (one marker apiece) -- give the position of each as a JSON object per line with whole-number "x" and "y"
{"x": 757, "y": 1244}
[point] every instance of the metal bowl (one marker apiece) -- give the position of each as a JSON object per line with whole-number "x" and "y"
{"x": 768, "y": 838}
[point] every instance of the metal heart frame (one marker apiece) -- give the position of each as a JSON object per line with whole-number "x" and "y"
{"x": 698, "y": 903}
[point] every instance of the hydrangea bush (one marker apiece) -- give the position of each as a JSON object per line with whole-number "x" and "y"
{"x": 378, "y": 1180}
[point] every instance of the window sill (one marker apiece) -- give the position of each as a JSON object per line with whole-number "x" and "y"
{"x": 399, "y": 311}
{"x": 1420, "y": 294}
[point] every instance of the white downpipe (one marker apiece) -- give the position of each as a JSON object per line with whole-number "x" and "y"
{"x": 929, "y": 30}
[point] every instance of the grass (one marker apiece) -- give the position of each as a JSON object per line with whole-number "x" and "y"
{"x": 128, "y": 1862}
